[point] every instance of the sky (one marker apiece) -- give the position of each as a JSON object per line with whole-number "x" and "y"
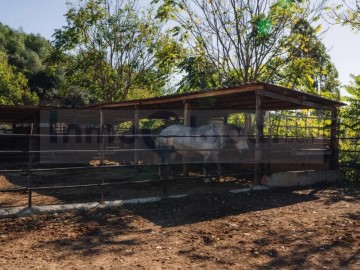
{"x": 44, "y": 16}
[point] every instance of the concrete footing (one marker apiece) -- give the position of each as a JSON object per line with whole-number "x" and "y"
{"x": 47, "y": 209}
{"x": 300, "y": 178}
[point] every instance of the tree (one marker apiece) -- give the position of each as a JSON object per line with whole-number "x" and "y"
{"x": 311, "y": 69}
{"x": 245, "y": 40}
{"x": 350, "y": 132}
{"x": 347, "y": 14}
{"x": 108, "y": 48}
{"x": 27, "y": 54}
{"x": 13, "y": 85}
{"x": 352, "y": 111}
{"x": 200, "y": 73}
{"x": 232, "y": 42}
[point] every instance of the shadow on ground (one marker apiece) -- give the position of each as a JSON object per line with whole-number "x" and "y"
{"x": 292, "y": 228}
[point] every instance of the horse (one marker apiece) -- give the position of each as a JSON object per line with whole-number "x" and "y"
{"x": 207, "y": 140}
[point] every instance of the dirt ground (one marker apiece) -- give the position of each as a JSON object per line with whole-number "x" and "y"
{"x": 112, "y": 192}
{"x": 298, "y": 228}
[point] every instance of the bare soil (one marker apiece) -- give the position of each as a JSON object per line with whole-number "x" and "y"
{"x": 117, "y": 189}
{"x": 298, "y": 228}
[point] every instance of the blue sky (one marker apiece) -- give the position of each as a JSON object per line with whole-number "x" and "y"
{"x": 43, "y": 16}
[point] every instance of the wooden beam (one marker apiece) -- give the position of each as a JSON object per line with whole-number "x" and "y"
{"x": 185, "y": 98}
{"x": 136, "y": 133}
{"x": 213, "y": 93}
{"x": 305, "y": 103}
{"x": 33, "y": 130}
{"x": 259, "y": 122}
{"x": 102, "y": 142}
{"x": 303, "y": 95}
{"x": 186, "y": 123}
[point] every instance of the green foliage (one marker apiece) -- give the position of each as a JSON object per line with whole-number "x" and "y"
{"x": 200, "y": 74}
{"x": 346, "y": 14}
{"x": 13, "y": 85}
{"x": 232, "y": 42}
{"x": 310, "y": 68}
{"x": 27, "y": 54}
{"x": 350, "y": 132}
{"x": 263, "y": 27}
{"x": 352, "y": 110}
{"x": 110, "y": 49}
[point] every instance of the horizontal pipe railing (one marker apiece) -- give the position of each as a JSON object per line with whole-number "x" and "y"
{"x": 31, "y": 169}
{"x": 250, "y": 161}
{"x": 25, "y": 189}
{"x": 59, "y": 136}
{"x": 149, "y": 150}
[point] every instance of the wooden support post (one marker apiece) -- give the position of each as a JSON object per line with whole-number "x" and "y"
{"x": 102, "y": 141}
{"x": 259, "y": 121}
{"x": 334, "y": 140}
{"x": 269, "y": 146}
{"x": 30, "y": 155}
{"x": 165, "y": 177}
{"x": 102, "y": 153}
{"x": 186, "y": 123}
{"x": 136, "y": 133}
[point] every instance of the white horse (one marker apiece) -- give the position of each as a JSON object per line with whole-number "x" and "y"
{"x": 206, "y": 140}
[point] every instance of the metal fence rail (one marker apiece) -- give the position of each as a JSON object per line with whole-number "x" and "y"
{"x": 350, "y": 158}
{"x": 31, "y": 167}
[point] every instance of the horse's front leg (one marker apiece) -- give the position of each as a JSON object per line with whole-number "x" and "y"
{"x": 164, "y": 172}
{"x": 218, "y": 168}
{"x": 206, "y": 160}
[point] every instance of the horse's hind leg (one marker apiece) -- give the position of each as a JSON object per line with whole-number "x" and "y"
{"x": 206, "y": 179}
{"x": 164, "y": 172}
{"x": 162, "y": 169}
{"x": 218, "y": 169}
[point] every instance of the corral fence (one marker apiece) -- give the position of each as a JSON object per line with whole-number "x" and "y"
{"x": 349, "y": 158}
{"x": 290, "y": 141}
{"x": 30, "y": 161}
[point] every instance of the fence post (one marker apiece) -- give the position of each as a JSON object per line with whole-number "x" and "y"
{"x": 334, "y": 140}
{"x": 136, "y": 134}
{"x": 30, "y": 156}
{"x": 259, "y": 138}
{"x": 102, "y": 148}
{"x": 186, "y": 123}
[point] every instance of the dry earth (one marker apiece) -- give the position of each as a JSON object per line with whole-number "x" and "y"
{"x": 303, "y": 228}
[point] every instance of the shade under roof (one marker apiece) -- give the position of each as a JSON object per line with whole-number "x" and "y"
{"x": 241, "y": 97}
{"x": 238, "y": 98}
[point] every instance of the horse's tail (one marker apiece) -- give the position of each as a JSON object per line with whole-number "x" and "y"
{"x": 158, "y": 148}
{"x": 162, "y": 148}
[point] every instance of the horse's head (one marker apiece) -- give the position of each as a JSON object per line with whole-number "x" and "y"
{"x": 237, "y": 137}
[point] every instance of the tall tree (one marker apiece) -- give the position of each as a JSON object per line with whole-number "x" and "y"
{"x": 27, "y": 54}
{"x": 109, "y": 46}
{"x": 200, "y": 73}
{"x": 311, "y": 69}
{"x": 353, "y": 109}
{"x": 240, "y": 37}
{"x": 13, "y": 85}
{"x": 347, "y": 13}
{"x": 232, "y": 42}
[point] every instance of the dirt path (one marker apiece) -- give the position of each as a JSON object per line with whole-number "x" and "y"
{"x": 308, "y": 228}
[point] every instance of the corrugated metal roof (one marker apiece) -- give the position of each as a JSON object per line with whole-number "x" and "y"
{"x": 239, "y": 98}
